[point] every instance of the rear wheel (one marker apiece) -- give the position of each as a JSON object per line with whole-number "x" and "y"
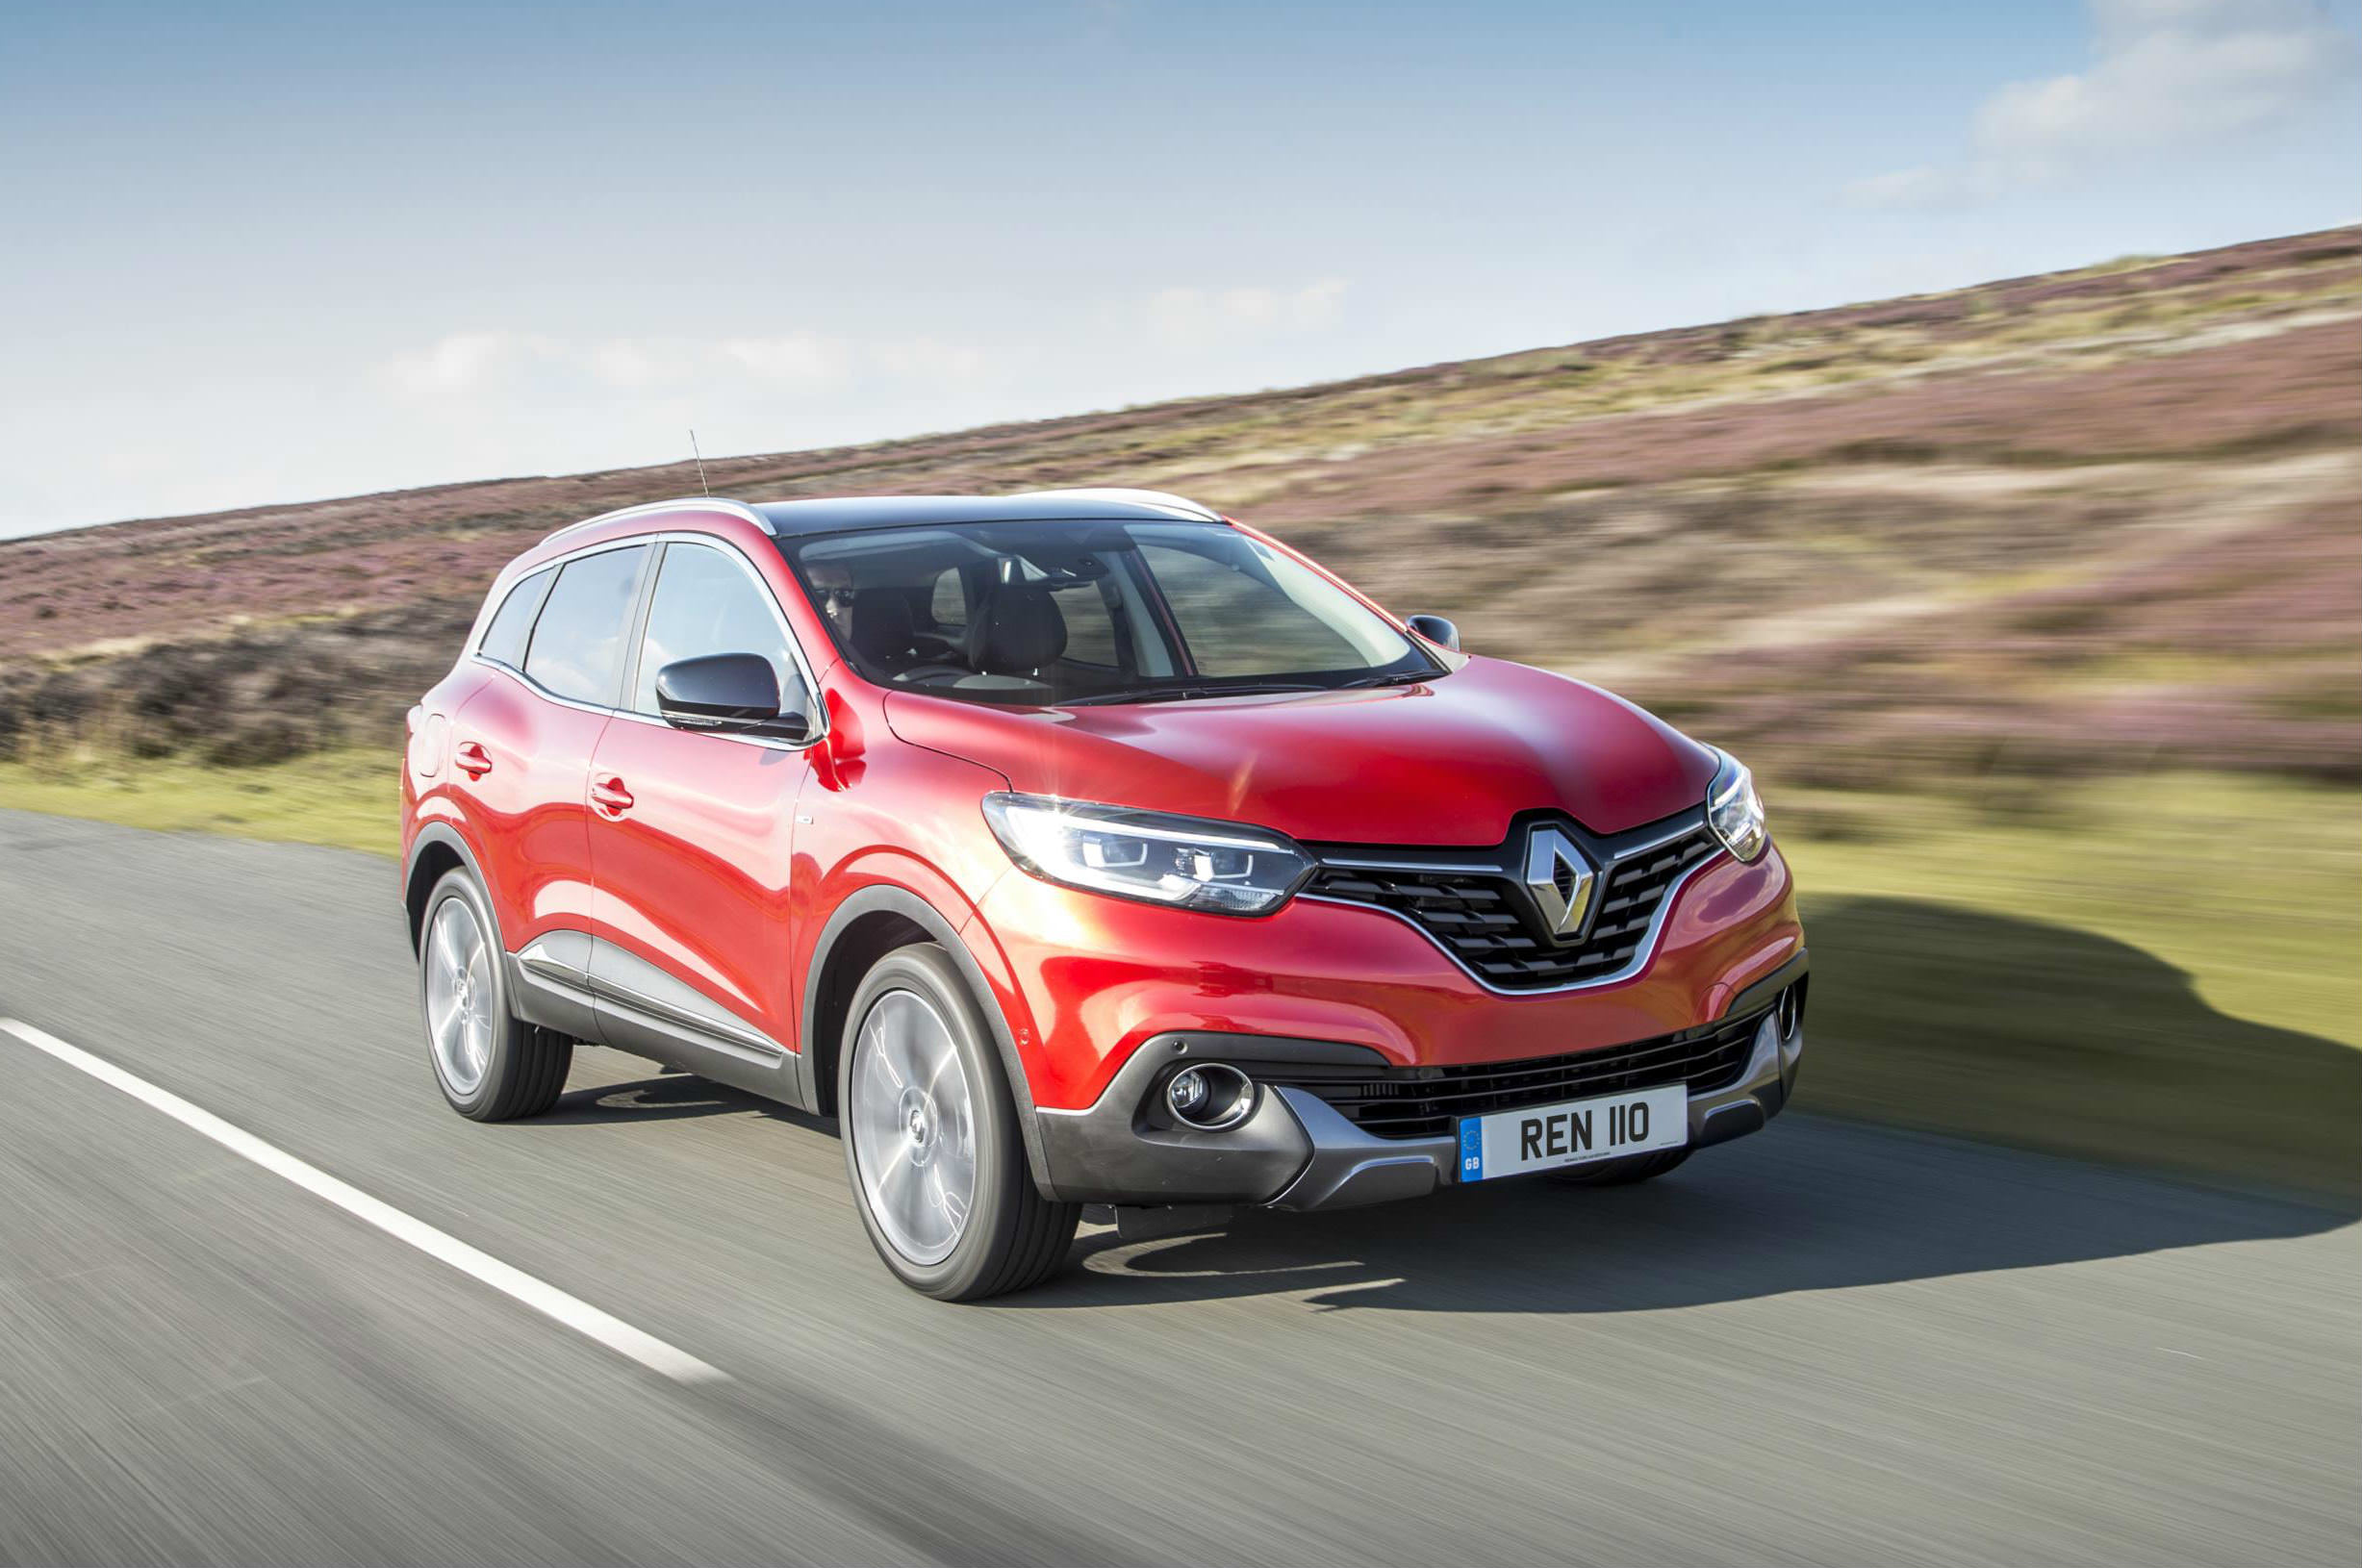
{"x": 1621, "y": 1173}
{"x": 932, "y": 1139}
{"x": 490, "y": 1065}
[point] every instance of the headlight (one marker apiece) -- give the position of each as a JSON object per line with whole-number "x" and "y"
{"x": 1736, "y": 810}
{"x": 1195, "y": 864}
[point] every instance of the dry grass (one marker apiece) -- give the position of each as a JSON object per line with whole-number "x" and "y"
{"x": 1923, "y": 543}
{"x": 2038, "y": 607}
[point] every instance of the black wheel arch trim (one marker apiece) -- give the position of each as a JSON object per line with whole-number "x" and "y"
{"x": 1758, "y": 992}
{"x": 885, "y": 897}
{"x": 442, "y": 834}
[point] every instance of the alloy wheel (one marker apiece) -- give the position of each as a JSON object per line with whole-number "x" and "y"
{"x": 459, "y": 996}
{"x": 911, "y": 1114}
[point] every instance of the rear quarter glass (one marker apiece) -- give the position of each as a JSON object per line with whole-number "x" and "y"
{"x": 504, "y": 640}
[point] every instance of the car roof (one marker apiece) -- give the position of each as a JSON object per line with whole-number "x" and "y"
{"x": 841, "y": 514}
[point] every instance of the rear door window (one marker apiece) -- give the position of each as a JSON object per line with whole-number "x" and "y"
{"x": 577, "y": 646}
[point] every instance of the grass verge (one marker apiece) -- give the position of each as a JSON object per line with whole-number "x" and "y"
{"x": 350, "y": 799}
{"x": 2162, "y": 972}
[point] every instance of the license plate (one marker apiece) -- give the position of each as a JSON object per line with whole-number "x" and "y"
{"x": 1549, "y": 1137}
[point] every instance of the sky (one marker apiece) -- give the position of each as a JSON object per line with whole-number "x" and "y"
{"x": 267, "y": 253}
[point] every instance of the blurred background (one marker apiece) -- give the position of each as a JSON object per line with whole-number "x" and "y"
{"x": 2003, "y": 513}
{"x": 1956, "y": 412}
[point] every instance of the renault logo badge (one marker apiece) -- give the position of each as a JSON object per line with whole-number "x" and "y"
{"x": 1561, "y": 882}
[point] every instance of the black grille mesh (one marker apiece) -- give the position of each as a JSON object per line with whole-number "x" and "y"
{"x": 1483, "y": 917}
{"x": 1428, "y": 1102}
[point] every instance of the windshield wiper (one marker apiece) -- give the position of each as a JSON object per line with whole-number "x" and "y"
{"x": 1182, "y": 692}
{"x": 1410, "y": 677}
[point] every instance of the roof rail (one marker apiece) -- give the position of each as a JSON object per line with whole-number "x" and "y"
{"x": 1137, "y": 498}
{"x": 685, "y": 504}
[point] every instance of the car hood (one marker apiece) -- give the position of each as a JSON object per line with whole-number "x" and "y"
{"x": 1446, "y": 762}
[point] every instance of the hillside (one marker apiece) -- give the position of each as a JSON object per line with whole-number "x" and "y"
{"x": 2085, "y": 522}
{"x": 2037, "y": 605}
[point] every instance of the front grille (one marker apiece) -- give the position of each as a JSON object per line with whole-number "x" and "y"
{"x": 1426, "y": 1101}
{"x": 1485, "y": 919}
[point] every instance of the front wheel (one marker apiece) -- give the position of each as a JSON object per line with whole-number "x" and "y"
{"x": 931, "y": 1140}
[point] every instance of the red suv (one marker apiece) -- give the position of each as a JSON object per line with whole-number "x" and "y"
{"x": 1079, "y": 847}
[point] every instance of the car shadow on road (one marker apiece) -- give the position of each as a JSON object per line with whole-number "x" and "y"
{"x": 2021, "y": 1031}
{"x": 1809, "y": 1205}
{"x": 2048, "y": 1035}
{"x": 664, "y": 1096}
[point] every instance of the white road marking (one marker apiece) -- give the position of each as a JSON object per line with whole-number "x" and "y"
{"x": 545, "y": 1299}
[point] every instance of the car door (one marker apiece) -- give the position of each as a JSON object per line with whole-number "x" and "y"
{"x": 522, "y": 749}
{"x": 690, "y": 837}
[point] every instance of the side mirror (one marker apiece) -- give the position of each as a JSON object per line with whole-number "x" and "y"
{"x": 738, "y": 692}
{"x": 1435, "y": 629}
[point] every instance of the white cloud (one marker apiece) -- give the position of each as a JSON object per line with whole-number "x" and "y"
{"x": 1924, "y": 186}
{"x": 932, "y": 359}
{"x": 515, "y": 365}
{"x": 1195, "y": 318}
{"x": 2166, "y": 74}
{"x": 797, "y": 357}
{"x": 463, "y": 361}
{"x": 2170, "y": 72}
{"x": 633, "y": 362}
{"x": 470, "y": 371}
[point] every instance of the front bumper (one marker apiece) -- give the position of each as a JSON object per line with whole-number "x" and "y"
{"x": 1298, "y": 1151}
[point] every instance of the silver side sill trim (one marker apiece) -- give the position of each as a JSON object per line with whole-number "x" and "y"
{"x": 737, "y": 1038}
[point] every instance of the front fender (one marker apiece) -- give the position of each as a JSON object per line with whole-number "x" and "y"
{"x": 981, "y": 965}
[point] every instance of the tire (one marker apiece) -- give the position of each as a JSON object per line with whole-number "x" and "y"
{"x": 914, "y": 1026}
{"x": 518, "y": 1069}
{"x": 1622, "y": 1173}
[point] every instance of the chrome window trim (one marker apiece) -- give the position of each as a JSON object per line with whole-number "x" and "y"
{"x": 1640, "y": 955}
{"x": 684, "y": 503}
{"x": 682, "y": 536}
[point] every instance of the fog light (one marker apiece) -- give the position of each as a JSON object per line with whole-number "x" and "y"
{"x": 1788, "y": 1018}
{"x": 1210, "y": 1096}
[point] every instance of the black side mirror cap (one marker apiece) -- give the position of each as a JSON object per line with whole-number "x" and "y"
{"x": 1435, "y": 629}
{"x": 734, "y": 691}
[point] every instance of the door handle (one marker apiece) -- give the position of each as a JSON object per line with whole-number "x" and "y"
{"x": 471, "y": 759}
{"x": 610, "y": 797}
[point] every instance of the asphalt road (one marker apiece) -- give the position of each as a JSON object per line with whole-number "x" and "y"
{"x": 1825, "y": 1344}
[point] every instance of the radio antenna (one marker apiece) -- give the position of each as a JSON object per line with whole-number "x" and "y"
{"x": 700, "y": 457}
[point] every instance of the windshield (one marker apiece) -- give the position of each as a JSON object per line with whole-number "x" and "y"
{"x": 1105, "y": 612}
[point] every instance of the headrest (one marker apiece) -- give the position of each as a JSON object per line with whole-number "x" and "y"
{"x": 882, "y": 629}
{"x": 1018, "y": 629}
